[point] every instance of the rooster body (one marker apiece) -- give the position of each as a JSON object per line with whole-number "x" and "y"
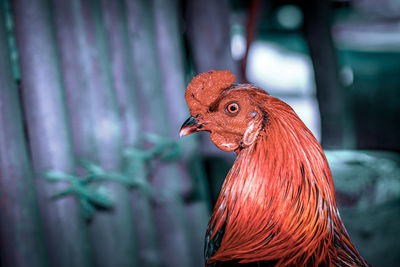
{"x": 277, "y": 205}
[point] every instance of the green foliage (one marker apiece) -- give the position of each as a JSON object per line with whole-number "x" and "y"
{"x": 137, "y": 162}
{"x": 164, "y": 148}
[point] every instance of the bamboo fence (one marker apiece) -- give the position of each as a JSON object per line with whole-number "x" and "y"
{"x": 92, "y": 170}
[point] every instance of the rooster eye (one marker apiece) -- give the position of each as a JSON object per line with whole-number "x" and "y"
{"x": 232, "y": 108}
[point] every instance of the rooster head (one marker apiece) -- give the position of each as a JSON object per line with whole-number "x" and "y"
{"x": 230, "y": 112}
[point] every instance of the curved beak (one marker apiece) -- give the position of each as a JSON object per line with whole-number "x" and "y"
{"x": 191, "y": 125}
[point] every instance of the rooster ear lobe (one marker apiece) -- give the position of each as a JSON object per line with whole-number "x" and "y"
{"x": 252, "y": 132}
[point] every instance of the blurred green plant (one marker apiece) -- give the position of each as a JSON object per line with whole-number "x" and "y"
{"x": 137, "y": 164}
{"x": 163, "y": 148}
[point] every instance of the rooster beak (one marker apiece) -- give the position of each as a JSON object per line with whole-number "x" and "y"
{"x": 191, "y": 125}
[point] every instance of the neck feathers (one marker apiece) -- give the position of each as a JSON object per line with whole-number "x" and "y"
{"x": 277, "y": 203}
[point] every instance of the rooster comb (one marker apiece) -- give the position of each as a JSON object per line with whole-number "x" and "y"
{"x": 205, "y": 88}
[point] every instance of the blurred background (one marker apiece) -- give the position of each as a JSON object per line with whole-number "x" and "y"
{"x": 92, "y": 172}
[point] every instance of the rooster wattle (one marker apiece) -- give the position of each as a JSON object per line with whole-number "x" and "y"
{"x": 277, "y": 205}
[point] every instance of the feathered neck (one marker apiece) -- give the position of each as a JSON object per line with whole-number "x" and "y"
{"x": 277, "y": 203}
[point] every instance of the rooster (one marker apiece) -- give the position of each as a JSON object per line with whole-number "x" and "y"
{"x": 277, "y": 205}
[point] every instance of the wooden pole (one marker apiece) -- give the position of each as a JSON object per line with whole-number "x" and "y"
{"x": 330, "y": 93}
{"x": 96, "y": 123}
{"x": 208, "y": 32}
{"x": 49, "y": 135}
{"x": 168, "y": 205}
{"x": 169, "y": 46}
{"x": 123, "y": 72}
{"x": 21, "y": 236}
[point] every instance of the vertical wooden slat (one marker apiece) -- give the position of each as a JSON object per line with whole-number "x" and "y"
{"x": 49, "y": 136}
{"x": 75, "y": 63}
{"x": 122, "y": 69}
{"x": 168, "y": 206}
{"x": 124, "y": 82}
{"x": 96, "y": 123}
{"x": 169, "y": 45}
{"x": 21, "y": 240}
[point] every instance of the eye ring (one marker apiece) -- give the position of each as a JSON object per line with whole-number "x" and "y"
{"x": 232, "y": 108}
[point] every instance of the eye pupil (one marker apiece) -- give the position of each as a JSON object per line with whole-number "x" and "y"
{"x": 232, "y": 108}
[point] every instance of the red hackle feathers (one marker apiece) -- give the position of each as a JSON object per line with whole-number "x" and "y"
{"x": 277, "y": 202}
